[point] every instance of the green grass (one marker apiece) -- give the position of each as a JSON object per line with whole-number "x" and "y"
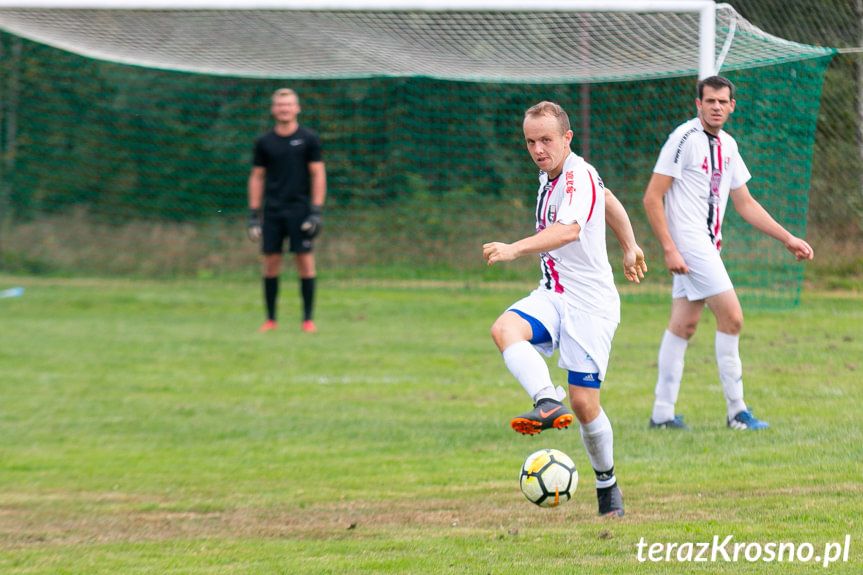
{"x": 146, "y": 427}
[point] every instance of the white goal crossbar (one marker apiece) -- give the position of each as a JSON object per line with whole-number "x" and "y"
{"x": 510, "y": 41}
{"x": 705, "y": 8}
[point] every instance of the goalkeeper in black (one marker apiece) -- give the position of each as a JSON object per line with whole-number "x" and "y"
{"x": 287, "y": 188}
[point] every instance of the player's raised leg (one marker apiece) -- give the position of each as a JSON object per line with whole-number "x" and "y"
{"x": 513, "y": 333}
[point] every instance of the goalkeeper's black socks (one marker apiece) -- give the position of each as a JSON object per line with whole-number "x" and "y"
{"x": 307, "y": 289}
{"x": 271, "y": 292}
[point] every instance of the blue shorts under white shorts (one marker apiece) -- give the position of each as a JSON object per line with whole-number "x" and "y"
{"x": 707, "y": 276}
{"x": 584, "y": 340}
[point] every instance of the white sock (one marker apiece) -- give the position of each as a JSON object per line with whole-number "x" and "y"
{"x": 598, "y": 439}
{"x": 670, "y": 368}
{"x": 529, "y": 368}
{"x": 730, "y": 371}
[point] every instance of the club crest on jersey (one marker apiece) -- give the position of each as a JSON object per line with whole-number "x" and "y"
{"x": 551, "y": 216}
{"x": 715, "y": 181}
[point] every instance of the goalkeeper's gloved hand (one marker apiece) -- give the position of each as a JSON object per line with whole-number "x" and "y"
{"x": 253, "y": 228}
{"x": 312, "y": 224}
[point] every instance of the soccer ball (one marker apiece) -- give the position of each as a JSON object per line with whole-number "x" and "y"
{"x": 548, "y": 477}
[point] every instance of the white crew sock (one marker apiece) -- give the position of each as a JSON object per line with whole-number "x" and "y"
{"x": 670, "y": 372}
{"x": 730, "y": 371}
{"x": 530, "y": 369}
{"x": 598, "y": 439}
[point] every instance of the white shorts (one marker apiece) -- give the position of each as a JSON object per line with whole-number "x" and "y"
{"x": 707, "y": 276}
{"x": 584, "y": 340}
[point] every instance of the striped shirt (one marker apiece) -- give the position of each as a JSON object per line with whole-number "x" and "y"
{"x": 579, "y": 270}
{"x": 705, "y": 169}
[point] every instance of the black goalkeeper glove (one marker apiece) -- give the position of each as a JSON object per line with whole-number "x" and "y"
{"x": 312, "y": 224}
{"x": 253, "y": 228}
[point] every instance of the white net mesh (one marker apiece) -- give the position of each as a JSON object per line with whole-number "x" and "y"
{"x": 487, "y": 46}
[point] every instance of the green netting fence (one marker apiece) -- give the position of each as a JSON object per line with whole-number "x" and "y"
{"x": 114, "y": 169}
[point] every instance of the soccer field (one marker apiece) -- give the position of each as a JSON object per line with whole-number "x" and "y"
{"x": 146, "y": 427}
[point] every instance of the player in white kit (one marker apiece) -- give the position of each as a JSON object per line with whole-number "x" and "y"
{"x": 698, "y": 169}
{"x": 576, "y": 307}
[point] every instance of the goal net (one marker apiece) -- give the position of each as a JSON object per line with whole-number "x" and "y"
{"x": 126, "y": 134}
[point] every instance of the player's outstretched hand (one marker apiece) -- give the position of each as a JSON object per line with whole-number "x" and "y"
{"x": 498, "y": 252}
{"x": 800, "y": 249}
{"x": 634, "y": 266}
{"x": 312, "y": 224}
{"x": 253, "y": 227}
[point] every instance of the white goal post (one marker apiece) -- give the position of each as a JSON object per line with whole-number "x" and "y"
{"x": 705, "y": 9}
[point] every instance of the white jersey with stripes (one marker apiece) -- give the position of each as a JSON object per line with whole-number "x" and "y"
{"x": 705, "y": 169}
{"x": 579, "y": 270}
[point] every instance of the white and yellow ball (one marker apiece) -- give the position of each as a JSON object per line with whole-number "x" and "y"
{"x": 548, "y": 478}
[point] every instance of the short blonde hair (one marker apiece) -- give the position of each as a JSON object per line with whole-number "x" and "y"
{"x": 285, "y": 92}
{"x": 546, "y": 108}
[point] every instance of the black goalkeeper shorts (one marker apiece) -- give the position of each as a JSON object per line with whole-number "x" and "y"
{"x": 286, "y": 224}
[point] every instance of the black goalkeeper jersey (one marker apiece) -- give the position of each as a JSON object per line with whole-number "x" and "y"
{"x": 286, "y": 160}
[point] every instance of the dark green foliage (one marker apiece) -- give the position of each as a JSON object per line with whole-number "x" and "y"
{"x": 120, "y": 169}
{"x": 836, "y": 195}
